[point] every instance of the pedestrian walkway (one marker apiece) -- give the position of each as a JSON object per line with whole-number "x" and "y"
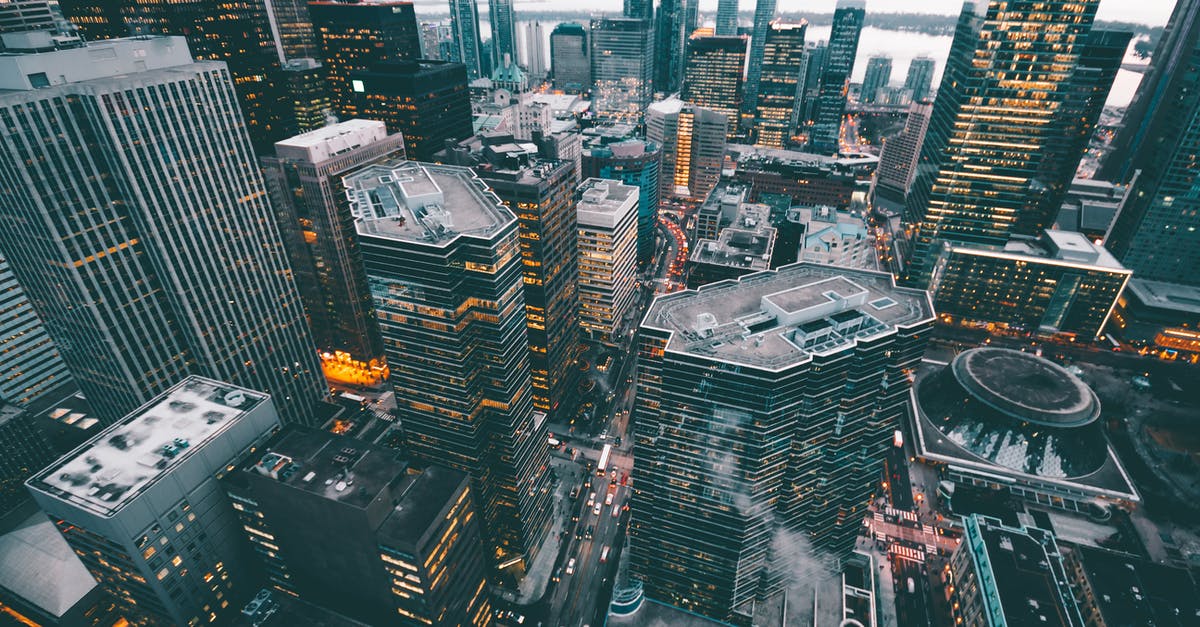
{"x": 537, "y": 576}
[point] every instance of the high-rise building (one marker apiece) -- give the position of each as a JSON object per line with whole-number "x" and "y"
{"x": 691, "y": 17}
{"x": 920, "y": 77}
{"x": 814, "y": 57}
{"x": 765, "y": 408}
{"x": 970, "y": 187}
{"x": 638, "y": 9}
{"x": 780, "y": 90}
{"x": 727, "y": 18}
{"x": 20, "y": 16}
{"x": 431, "y": 41}
{"x": 693, "y": 147}
{"x": 764, "y": 15}
{"x": 898, "y": 159}
{"x": 142, "y": 505}
{"x": 835, "y": 75}
{"x": 355, "y": 36}
{"x": 23, "y": 451}
{"x": 622, "y": 156}
{"x": 293, "y": 30}
{"x": 1157, "y": 232}
{"x": 608, "y": 212}
{"x": 535, "y": 53}
{"x": 307, "y": 91}
{"x": 713, "y": 75}
{"x": 30, "y": 365}
{"x": 504, "y": 30}
{"x": 622, "y": 58}
{"x": 167, "y": 262}
{"x": 304, "y": 182}
{"x": 875, "y": 81}
{"x": 406, "y": 550}
{"x": 464, "y": 22}
{"x": 442, "y": 256}
{"x": 426, "y": 101}
{"x": 670, "y": 45}
{"x": 569, "y": 61}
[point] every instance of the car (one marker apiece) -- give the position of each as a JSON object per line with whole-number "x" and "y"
{"x": 604, "y": 555}
{"x": 617, "y": 510}
{"x": 591, "y": 499}
{"x": 571, "y": 567}
{"x": 596, "y": 510}
{"x": 608, "y": 499}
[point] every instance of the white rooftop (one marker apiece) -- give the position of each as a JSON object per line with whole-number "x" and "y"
{"x": 327, "y": 142}
{"x": 103, "y": 59}
{"x": 38, "y": 565}
{"x": 1162, "y": 295}
{"x": 111, "y": 469}
{"x": 603, "y": 203}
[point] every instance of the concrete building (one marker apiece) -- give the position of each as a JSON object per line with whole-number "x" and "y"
{"x": 353, "y": 527}
{"x": 622, "y": 60}
{"x": 616, "y": 152}
{"x": 125, "y": 277}
{"x": 875, "y": 81}
{"x": 608, "y": 221}
{"x": 306, "y": 89}
{"x": 142, "y": 506}
{"x": 535, "y": 53}
{"x": 442, "y": 255}
{"x": 765, "y": 406}
{"x": 1011, "y": 422}
{"x": 745, "y": 246}
{"x": 785, "y": 177}
{"x": 1121, "y": 589}
{"x": 1004, "y": 575}
{"x": 570, "y": 62}
{"x": 31, "y": 368}
{"x": 1090, "y": 207}
{"x": 898, "y": 160}
{"x": 1159, "y": 316}
{"x": 833, "y": 237}
{"x": 693, "y": 147}
{"x": 713, "y": 75}
{"x": 1058, "y": 284}
{"x": 442, "y": 109}
{"x": 304, "y": 180}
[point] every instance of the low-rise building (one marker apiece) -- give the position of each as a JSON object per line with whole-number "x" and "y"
{"x": 1159, "y": 317}
{"x": 834, "y": 237}
{"x": 1118, "y": 589}
{"x": 743, "y": 247}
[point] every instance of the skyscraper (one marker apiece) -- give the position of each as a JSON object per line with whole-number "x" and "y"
{"x": 835, "y": 75}
{"x": 636, "y": 162}
{"x": 294, "y": 30}
{"x": 443, "y": 261}
{"x": 607, "y": 256}
{"x": 426, "y": 101}
{"x": 18, "y": 16}
{"x": 765, "y": 407}
{"x": 1157, "y": 232}
{"x": 920, "y": 78}
{"x": 898, "y": 159}
{"x": 464, "y": 21}
{"x": 727, "y": 18}
{"x": 406, "y": 548}
{"x": 670, "y": 44}
{"x": 165, "y": 260}
{"x": 764, "y": 14}
{"x": 693, "y": 147}
{"x": 879, "y": 73}
{"x": 142, "y": 506}
{"x": 713, "y": 75}
{"x": 23, "y": 451}
{"x": 535, "y": 53}
{"x": 622, "y": 66}
{"x": 356, "y": 36}
{"x": 569, "y": 62}
{"x": 971, "y": 187}
{"x": 504, "y": 31}
{"x": 307, "y": 92}
{"x": 781, "y": 86}
{"x": 30, "y": 365}
{"x": 304, "y": 182}
{"x": 638, "y": 9}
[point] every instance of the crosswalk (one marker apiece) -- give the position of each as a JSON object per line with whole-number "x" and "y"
{"x": 906, "y": 552}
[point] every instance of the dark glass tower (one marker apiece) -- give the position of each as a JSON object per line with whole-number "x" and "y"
{"x": 622, "y": 66}
{"x": 920, "y": 78}
{"x": 835, "y": 75}
{"x": 727, "y": 18}
{"x": 569, "y": 63}
{"x": 670, "y": 40}
{"x": 781, "y": 85}
{"x": 504, "y": 31}
{"x": 764, "y": 14}
{"x": 426, "y": 101}
{"x": 713, "y": 75}
{"x": 464, "y": 21}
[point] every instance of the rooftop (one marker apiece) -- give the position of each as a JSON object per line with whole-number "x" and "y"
{"x": 773, "y": 320}
{"x": 1133, "y": 591}
{"x": 747, "y": 243}
{"x": 1161, "y": 295}
{"x": 1063, "y": 247}
{"x": 97, "y": 60}
{"x": 421, "y": 499}
{"x": 38, "y": 565}
{"x": 424, "y": 203}
{"x": 324, "y": 143}
{"x": 113, "y": 468}
{"x": 604, "y": 202}
{"x": 1026, "y": 387}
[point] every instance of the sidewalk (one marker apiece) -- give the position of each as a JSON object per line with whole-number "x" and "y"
{"x": 537, "y": 577}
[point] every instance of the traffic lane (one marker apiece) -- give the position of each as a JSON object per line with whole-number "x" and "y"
{"x": 591, "y": 571}
{"x": 912, "y": 608}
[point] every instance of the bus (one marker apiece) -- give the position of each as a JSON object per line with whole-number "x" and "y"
{"x": 603, "y": 460}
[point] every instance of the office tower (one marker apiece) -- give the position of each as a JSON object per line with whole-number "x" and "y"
{"x": 464, "y": 21}
{"x": 764, "y": 14}
{"x": 693, "y": 147}
{"x": 426, "y": 101}
{"x": 304, "y": 182}
{"x": 535, "y": 51}
{"x": 307, "y": 91}
{"x": 608, "y": 212}
{"x": 765, "y": 408}
{"x": 670, "y": 45}
{"x": 920, "y": 78}
{"x": 898, "y": 160}
{"x": 20, "y": 16}
{"x": 354, "y": 527}
{"x": 540, "y": 192}
{"x": 780, "y": 89}
{"x": 638, "y": 9}
{"x": 1003, "y": 575}
{"x": 835, "y": 75}
{"x": 971, "y": 188}
{"x": 814, "y": 60}
{"x": 355, "y": 37}
{"x": 240, "y": 34}
{"x": 142, "y": 505}
{"x": 1157, "y": 232}
{"x": 622, "y": 58}
{"x": 504, "y": 29}
{"x": 442, "y": 257}
{"x": 431, "y": 41}
{"x": 713, "y": 75}
{"x": 624, "y": 157}
{"x": 30, "y": 365}
{"x": 569, "y": 63}
{"x": 174, "y": 266}
{"x": 875, "y": 81}
{"x": 23, "y": 451}
{"x": 294, "y": 30}
{"x": 727, "y": 18}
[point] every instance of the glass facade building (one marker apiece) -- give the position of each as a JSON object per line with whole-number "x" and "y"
{"x": 919, "y": 79}
{"x": 426, "y": 101}
{"x": 622, "y": 60}
{"x": 569, "y": 63}
{"x": 835, "y": 75}
{"x": 779, "y": 96}
{"x": 30, "y": 364}
{"x": 764, "y": 15}
{"x": 693, "y": 143}
{"x": 713, "y": 75}
{"x": 875, "y": 82}
{"x": 464, "y": 21}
